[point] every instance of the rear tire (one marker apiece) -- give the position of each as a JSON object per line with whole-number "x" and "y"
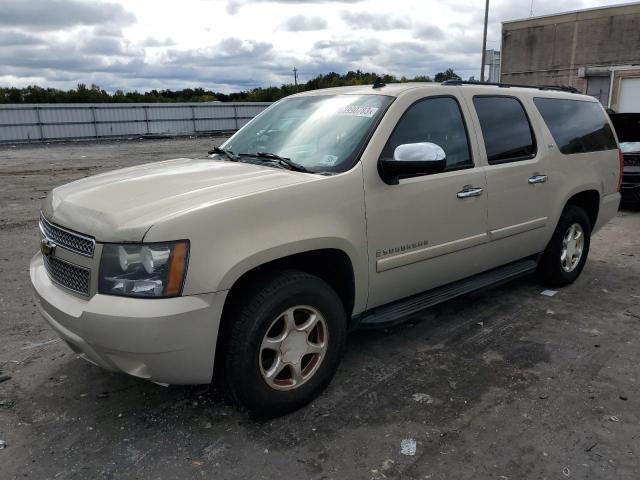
{"x": 565, "y": 256}
{"x": 285, "y": 343}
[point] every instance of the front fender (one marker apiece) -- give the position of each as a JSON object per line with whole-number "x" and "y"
{"x": 230, "y": 238}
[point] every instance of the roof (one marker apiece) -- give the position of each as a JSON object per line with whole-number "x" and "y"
{"x": 633, "y": 7}
{"x": 391, "y": 89}
{"x": 398, "y": 89}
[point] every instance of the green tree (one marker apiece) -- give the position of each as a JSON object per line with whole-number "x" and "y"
{"x": 95, "y": 94}
{"x": 448, "y": 74}
{"x": 421, "y": 78}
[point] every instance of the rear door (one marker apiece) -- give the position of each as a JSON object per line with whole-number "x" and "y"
{"x": 519, "y": 178}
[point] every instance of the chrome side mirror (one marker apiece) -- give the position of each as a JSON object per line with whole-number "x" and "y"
{"x": 419, "y": 152}
{"x": 412, "y": 159}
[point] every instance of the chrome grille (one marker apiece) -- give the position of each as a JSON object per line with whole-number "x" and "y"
{"x": 67, "y": 239}
{"x": 67, "y": 275}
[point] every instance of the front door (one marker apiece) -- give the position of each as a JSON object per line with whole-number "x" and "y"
{"x": 427, "y": 230}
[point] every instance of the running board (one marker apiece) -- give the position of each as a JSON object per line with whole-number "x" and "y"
{"x": 395, "y": 312}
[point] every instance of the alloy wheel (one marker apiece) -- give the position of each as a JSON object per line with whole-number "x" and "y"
{"x": 572, "y": 247}
{"x": 293, "y": 347}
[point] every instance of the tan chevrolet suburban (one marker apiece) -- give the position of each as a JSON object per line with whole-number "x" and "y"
{"x": 331, "y": 210}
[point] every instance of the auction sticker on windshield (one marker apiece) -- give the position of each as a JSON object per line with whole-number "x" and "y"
{"x": 358, "y": 111}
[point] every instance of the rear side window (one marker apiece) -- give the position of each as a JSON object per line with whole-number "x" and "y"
{"x": 577, "y": 126}
{"x": 437, "y": 120}
{"x": 508, "y": 136}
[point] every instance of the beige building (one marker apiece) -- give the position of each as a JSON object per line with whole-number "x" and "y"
{"x": 595, "y": 50}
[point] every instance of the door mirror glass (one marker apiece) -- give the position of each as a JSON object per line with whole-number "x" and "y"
{"x": 411, "y": 159}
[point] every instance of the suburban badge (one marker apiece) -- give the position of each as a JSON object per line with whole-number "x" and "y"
{"x": 402, "y": 248}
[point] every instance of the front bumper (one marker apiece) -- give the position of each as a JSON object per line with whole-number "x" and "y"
{"x": 170, "y": 341}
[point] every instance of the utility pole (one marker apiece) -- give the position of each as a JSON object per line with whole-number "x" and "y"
{"x": 295, "y": 77}
{"x": 484, "y": 40}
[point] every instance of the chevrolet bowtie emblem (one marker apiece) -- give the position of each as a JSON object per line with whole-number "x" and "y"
{"x": 47, "y": 247}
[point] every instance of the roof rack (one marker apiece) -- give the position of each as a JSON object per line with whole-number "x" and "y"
{"x": 561, "y": 88}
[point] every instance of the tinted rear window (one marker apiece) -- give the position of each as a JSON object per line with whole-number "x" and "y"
{"x": 577, "y": 126}
{"x": 505, "y": 127}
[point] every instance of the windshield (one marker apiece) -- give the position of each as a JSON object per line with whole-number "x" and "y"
{"x": 322, "y": 133}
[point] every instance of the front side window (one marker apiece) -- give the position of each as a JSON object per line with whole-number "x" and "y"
{"x": 323, "y": 133}
{"x": 577, "y": 126}
{"x": 507, "y": 133}
{"x": 435, "y": 120}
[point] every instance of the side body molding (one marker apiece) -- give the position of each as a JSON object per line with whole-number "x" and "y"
{"x": 407, "y": 258}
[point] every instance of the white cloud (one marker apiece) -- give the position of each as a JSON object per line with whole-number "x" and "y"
{"x": 233, "y": 6}
{"x": 303, "y": 23}
{"x": 125, "y": 44}
{"x": 362, "y": 20}
{"x": 157, "y": 42}
{"x": 54, "y": 14}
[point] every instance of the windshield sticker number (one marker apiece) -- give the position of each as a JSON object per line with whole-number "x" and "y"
{"x": 328, "y": 160}
{"x": 356, "y": 111}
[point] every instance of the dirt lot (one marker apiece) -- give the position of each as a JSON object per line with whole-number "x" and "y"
{"x": 504, "y": 384}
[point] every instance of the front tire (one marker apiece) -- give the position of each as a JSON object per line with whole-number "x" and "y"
{"x": 285, "y": 343}
{"x": 566, "y": 254}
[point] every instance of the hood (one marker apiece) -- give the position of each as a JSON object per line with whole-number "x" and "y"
{"x": 122, "y": 205}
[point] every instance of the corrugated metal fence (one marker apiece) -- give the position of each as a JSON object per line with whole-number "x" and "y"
{"x": 57, "y": 121}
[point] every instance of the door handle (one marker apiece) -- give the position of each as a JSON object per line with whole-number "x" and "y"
{"x": 469, "y": 191}
{"x": 537, "y": 178}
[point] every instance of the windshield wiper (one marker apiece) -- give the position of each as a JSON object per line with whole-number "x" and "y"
{"x": 223, "y": 151}
{"x": 290, "y": 164}
{"x": 283, "y": 160}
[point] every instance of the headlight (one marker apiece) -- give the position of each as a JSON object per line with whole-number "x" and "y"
{"x": 151, "y": 270}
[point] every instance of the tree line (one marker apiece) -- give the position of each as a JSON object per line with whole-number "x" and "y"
{"x": 94, "y": 94}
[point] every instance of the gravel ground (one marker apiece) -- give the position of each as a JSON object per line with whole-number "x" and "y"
{"x": 503, "y": 384}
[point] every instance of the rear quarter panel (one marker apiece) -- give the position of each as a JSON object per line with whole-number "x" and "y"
{"x": 575, "y": 173}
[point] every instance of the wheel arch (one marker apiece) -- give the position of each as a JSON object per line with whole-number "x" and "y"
{"x": 589, "y": 201}
{"x": 331, "y": 264}
{"x": 300, "y": 251}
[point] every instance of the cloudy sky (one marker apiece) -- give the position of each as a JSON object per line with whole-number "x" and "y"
{"x": 229, "y": 45}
